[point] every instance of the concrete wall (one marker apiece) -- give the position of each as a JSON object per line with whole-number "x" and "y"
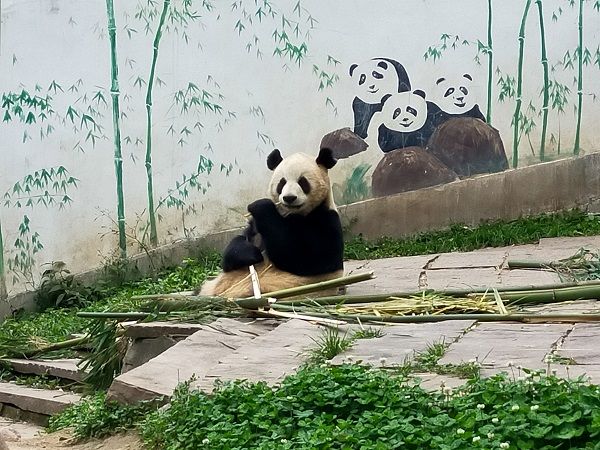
{"x": 231, "y": 83}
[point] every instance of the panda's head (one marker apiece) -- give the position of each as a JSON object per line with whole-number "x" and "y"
{"x": 454, "y": 96}
{"x": 375, "y": 78}
{"x": 405, "y": 111}
{"x": 300, "y": 183}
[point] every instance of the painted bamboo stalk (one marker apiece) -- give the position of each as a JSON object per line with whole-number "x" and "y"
{"x": 116, "y": 114}
{"x": 546, "y": 82}
{"x": 3, "y": 290}
{"x": 490, "y": 64}
{"x": 148, "y": 163}
{"x": 515, "y": 157}
{"x": 579, "y": 79}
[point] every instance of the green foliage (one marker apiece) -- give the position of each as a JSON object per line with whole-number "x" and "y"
{"x": 354, "y": 407}
{"x": 368, "y": 333}
{"x": 488, "y": 234}
{"x": 355, "y": 188}
{"x": 105, "y": 360}
{"x": 94, "y": 416}
{"x": 60, "y": 289}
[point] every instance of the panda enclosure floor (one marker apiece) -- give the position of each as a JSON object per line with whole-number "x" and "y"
{"x": 269, "y": 350}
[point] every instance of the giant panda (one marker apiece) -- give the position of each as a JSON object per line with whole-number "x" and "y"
{"x": 373, "y": 80}
{"x": 405, "y": 121}
{"x": 455, "y": 99}
{"x": 293, "y": 238}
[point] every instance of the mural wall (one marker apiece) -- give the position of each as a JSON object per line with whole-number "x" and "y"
{"x": 130, "y": 124}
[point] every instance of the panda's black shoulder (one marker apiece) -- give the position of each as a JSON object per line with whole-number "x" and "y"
{"x": 476, "y": 112}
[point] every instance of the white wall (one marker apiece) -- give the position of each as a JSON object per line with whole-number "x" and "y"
{"x": 66, "y": 41}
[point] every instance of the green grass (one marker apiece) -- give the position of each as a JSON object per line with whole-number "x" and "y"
{"x": 488, "y": 234}
{"x": 55, "y": 325}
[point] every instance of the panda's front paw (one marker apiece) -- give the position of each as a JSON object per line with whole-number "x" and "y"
{"x": 239, "y": 254}
{"x": 261, "y": 207}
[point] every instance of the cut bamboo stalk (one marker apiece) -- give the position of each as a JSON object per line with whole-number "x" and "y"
{"x": 176, "y": 295}
{"x": 309, "y": 318}
{"x": 115, "y": 315}
{"x": 518, "y": 264}
{"x": 322, "y": 285}
{"x": 70, "y": 343}
{"x": 571, "y": 318}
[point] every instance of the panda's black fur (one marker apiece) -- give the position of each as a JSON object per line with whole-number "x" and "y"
{"x": 363, "y": 111}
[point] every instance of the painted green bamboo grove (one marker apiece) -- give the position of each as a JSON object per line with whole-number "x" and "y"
{"x": 114, "y": 93}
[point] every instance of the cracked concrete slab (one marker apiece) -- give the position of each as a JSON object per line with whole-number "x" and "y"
{"x": 583, "y": 344}
{"x": 474, "y": 278}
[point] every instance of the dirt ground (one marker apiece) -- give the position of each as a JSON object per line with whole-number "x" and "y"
{"x": 63, "y": 440}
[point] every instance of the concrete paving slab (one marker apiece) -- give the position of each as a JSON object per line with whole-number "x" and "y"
{"x": 191, "y": 357}
{"x": 583, "y": 344}
{"x": 60, "y": 368}
{"x": 528, "y": 278}
{"x": 268, "y": 358}
{"x": 572, "y": 243}
{"x": 13, "y": 431}
{"x": 457, "y": 260}
{"x": 392, "y": 274}
{"x": 401, "y": 342}
{"x": 41, "y": 401}
{"x": 474, "y": 278}
{"x": 436, "y": 382}
{"x": 399, "y": 262}
{"x": 496, "y": 345}
{"x": 574, "y": 307}
{"x": 157, "y": 329}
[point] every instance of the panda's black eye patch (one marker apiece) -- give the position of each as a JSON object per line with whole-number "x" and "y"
{"x": 377, "y": 75}
{"x": 464, "y": 90}
{"x": 411, "y": 110}
{"x": 450, "y": 91}
{"x": 304, "y": 185}
{"x": 362, "y": 79}
{"x": 281, "y": 185}
{"x": 397, "y": 112}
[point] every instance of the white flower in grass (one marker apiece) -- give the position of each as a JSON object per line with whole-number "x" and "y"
{"x": 460, "y": 431}
{"x": 480, "y": 406}
{"x": 491, "y": 435}
{"x": 476, "y": 438}
{"x": 535, "y": 407}
{"x": 284, "y": 441}
{"x": 205, "y": 441}
{"x": 495, "y": 420}
{"x": 504, "y": 445}
{"x": 515, "y": 408}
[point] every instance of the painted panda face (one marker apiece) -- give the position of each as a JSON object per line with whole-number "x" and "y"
{"x": 405, "y": 111}
{"x": 374, "y": 79}
{"x": 300, "y": 183}
{"x": 454, "y": 96}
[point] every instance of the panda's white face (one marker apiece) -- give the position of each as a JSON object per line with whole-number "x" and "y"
{"x": 374, "y": 79}
{"x": 405, "y": 111}
{"x": 454, "y": 96}
{"x": 299, "y": 185}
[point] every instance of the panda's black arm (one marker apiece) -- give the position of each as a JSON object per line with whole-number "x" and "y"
{"x": 241, "y": 252}
{"x": 269, "y": 222}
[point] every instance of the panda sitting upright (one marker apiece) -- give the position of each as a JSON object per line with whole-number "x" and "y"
{"x": 293, "y": 238}
{"x": 455, "y": 99}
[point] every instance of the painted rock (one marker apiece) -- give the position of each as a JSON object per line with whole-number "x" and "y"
{"x": 408, "y": 169}
{"x": 468, "y": 146}
{"x": 344, "y": 143}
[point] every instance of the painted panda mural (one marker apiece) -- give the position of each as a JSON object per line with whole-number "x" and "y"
{"x": 406, "y": 121}
{"x": 294, "y": 237}
{"x": 372, "y": 81}
{"x": 455, "y": 99}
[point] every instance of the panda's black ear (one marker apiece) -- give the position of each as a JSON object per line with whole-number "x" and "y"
{"x": 468, "y": 77}
{"x": 274, "y": 159}
{"x": 385, "y": 97}
{"x": 439, "y": 80}
{"x": 419, "y": 92}
{"x": 326, "y": 158}
{"x": 352, "y": 67}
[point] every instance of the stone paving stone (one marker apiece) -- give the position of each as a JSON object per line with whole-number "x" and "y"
{"x": 12, "y": 431}
{"x": 268, "y": 358}
{"x": 193, "y": 356}
{"x": 475, "y": 278}
{"x": 434, "y": 381}
{"x": 392, "y": 274}
{"x": 574, "y": 307}
{"x": 528, "y": 278}
{"x": 495, "y": 344}
{"x": 42, "y": 401}
{"x": 583, "y": 344}
{"x": 158, "y": 329}
{"x": 400, "y": 342}
{"x": 487, "y": 258}
{"x": 60, "y": 368}
{"x": 570, "y": 243}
